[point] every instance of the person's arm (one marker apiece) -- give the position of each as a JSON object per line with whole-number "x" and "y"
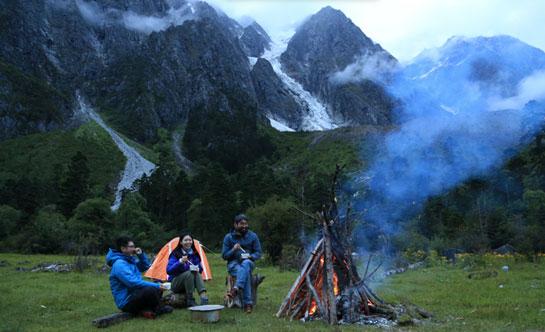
{"x": 121, "y": 271}
{"x": 143, "y": 263}
{"x": 227, "y": 252}
{"x": 175, "y": 267}
{"x": 256, "y": 252}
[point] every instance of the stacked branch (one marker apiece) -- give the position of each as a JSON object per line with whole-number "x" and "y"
{"x": 329, "y": 287}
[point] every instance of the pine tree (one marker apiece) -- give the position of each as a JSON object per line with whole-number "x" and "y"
{"x": 74, "y": 187}
{"x": 210, "y": 216}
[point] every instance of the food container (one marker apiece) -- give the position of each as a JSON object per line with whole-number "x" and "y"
{"x": 206, "y": 313}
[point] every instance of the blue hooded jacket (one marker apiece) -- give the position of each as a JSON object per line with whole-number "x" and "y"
{"x": 126, "y": 275}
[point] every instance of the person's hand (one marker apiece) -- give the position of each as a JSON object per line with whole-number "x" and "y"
{"x": 138, "y": 251}
{"x": 237, "y": 246}
{"x": 184, "y": 259}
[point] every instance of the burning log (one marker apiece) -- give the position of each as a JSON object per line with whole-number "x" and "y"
{"x": 329, "y": 287}
{"x": 331, "y": 307}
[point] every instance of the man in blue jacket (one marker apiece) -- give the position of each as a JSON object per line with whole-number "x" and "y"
{"x": 130, "y": 291}
{"x": 241, "y": 248}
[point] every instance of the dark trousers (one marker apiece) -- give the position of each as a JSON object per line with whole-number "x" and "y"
{"x": 143, "y": 299}
{"x": 187, "y": 282}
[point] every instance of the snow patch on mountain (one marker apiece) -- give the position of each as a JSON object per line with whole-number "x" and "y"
{"x": 317, "y": 118}
{"x": 252, "y": 61}
{"x": 279, "y": 126}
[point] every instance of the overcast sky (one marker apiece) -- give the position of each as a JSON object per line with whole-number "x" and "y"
{"x": 406, "y": 27}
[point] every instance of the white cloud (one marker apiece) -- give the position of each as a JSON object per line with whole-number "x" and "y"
{"x": 403, "y": 27}
{"x": 530, "y": 88}
{"x": 146, "y": 24}
{"x": 375, "y": 67}
{"x": 92, "y": 13}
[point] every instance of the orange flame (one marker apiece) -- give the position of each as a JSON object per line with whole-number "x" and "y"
{"x": 336, "y": 289}
{"x": 313, "y": 307}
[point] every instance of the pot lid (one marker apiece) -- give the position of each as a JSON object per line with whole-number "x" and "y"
{"x": 208, "y": 307}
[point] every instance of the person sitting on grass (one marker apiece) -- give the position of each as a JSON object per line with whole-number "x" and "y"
{"x": 184, "y": 271}
{"x": 131, "y": 293}
{"x": 241, "y": 248}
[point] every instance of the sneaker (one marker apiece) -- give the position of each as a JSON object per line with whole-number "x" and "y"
{"x": 166, "y": 309}
{"x": 148, "y": 314}
{"x": 204, "y": 300}
{"x": 248, "y": 308}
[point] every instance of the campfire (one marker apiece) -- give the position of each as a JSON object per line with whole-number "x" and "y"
{"x": 329, "y": 287}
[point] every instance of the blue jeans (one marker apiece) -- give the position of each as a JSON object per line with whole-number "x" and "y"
{"x": 243, "y": 272}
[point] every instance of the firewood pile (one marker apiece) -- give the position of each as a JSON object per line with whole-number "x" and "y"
{"x": 329, "y": 287}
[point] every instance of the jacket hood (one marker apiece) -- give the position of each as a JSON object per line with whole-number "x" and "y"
{"x": 113, "y": 255}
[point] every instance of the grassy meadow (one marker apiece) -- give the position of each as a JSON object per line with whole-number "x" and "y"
{"x": 509, "y": 301}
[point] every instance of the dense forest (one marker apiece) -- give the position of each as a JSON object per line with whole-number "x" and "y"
{"x": 56, "y": 189}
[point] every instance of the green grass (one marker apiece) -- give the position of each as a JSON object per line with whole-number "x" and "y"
{"x": 53, "y": 301}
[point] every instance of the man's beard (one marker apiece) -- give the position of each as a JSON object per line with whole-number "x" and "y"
{"x": 243, "y": 231}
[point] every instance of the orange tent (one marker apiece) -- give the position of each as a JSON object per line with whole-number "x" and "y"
{"x": 158, "y": 269}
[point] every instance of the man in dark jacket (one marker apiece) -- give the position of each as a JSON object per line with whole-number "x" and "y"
{"x": 132, "y": 293}
{"x": 241, "y": 248}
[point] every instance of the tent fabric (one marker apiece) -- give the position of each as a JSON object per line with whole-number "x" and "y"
{"x": 158, "y": 269}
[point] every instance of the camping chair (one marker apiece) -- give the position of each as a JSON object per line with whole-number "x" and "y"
{"x": 236, "y": 302}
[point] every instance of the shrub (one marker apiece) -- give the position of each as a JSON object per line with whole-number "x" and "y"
{"x": 276, "y": 223}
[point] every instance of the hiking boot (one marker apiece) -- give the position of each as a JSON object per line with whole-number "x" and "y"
{"x": 148, "y": 314}
{"x": 166, "y": 309}
{"x": 190, "y": 301}
{"x": 248, "y": 308}
{"x": 259, "y": 279}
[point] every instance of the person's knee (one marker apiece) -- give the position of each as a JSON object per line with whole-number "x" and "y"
{"x": 235, "y": 269}
{"x": 151, "y": 292}
{"x": 248, "y": 266}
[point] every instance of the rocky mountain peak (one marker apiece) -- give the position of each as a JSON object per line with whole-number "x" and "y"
{"x": 325, "y": 44}
{"x": 255, "y": 40}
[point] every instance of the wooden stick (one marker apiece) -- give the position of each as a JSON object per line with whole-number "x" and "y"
{"x": 297, "y": 309}
{"x": 306, "y": 213}
{"x": 367, "y": 266}
{"x": 364, "y": 297}
{"x": 111, "y": 319}
{"x": 315, "y": 295}
{"x": 312, "y": 259}
{"x": 328, "y": 264}
{"x": 308, "y": 300}
{"x": 375, "y": 270}
{"x": 369, "y": 291}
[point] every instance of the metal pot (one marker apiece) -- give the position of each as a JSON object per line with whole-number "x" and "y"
{"x": 209, "y": 313}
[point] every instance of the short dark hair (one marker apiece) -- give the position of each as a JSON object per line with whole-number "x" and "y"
{"x": 122, "y": 241}
{"x": 240, "y": 217}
